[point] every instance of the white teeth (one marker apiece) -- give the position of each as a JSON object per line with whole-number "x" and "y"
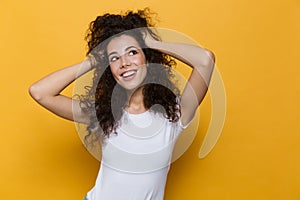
{"x": 127, "y": 74}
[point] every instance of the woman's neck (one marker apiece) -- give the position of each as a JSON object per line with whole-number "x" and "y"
{"x": 136, "y": 102}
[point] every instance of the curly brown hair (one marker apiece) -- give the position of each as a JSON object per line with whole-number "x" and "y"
{"x": 158, "y": 88}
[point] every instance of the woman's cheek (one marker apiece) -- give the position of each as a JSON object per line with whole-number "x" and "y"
{"x": 114, "y": 71}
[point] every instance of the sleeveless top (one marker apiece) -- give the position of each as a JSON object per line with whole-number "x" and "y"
{"x": 136, "y": 161}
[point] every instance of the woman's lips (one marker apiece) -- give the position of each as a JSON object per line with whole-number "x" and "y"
{"x": 128, "y": 75}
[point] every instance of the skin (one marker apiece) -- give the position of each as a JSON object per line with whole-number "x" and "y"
{"x": 47, "y": 90}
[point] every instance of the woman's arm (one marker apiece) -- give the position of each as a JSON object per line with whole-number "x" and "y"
{"x": 47, "y": 91}
{"x": 202, "y": 62}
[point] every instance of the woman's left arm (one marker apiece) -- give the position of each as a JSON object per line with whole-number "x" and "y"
{"x": 202, "y": 62}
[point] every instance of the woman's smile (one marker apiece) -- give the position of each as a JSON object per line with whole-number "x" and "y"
{"x": 129, "y": 74}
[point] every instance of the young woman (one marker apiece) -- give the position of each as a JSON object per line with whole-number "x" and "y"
{"x": 133, "y": 107}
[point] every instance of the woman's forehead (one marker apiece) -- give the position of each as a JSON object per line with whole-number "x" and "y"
{"x": 120, "y": 43}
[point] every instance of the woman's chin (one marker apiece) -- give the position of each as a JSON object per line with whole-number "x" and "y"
{"x": 131, "y": 88}
{"x": 130, "y": 85}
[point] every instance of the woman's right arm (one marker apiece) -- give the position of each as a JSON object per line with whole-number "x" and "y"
{"x": 47, "y": 92}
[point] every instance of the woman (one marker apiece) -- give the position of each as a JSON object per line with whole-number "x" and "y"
{"x": 133, "y": 107}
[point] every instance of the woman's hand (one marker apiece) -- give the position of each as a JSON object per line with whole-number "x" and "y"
{"x": 150, "y": 41}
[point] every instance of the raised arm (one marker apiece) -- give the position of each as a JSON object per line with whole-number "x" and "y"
{"x": 47, "y": 92}
{"x": 202, "y": 62}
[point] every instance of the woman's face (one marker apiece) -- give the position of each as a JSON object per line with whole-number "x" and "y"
{"x": 127, "y": 61}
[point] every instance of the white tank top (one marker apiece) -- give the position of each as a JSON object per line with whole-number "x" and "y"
{"x": 136, "y": 161}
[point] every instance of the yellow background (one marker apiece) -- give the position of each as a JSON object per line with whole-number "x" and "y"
{"x": 257, "y": 47}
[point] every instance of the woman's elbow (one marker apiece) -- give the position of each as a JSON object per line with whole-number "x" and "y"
{"x": 35, "y": 92}
{"x": 210, "y": 59}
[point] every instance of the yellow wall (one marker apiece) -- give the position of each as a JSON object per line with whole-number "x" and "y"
{"x": 256, "y": 44}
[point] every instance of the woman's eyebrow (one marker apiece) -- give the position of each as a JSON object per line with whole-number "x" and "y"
{"x": 114, "y": 52}
{"x": 126, "y": 49}
{"x": 130, "y": 48}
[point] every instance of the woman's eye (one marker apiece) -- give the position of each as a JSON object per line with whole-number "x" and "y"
{"x": 114, "y": 58}
{"x": 133, "y": 52}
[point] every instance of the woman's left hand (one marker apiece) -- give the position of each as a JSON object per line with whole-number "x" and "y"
{"x": 148, "y": 38}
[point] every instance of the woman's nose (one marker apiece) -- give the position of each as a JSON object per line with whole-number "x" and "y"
{"x": 124, "y": 61}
